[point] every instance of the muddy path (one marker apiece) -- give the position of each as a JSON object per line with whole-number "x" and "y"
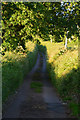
{"x": 43, "y": 102}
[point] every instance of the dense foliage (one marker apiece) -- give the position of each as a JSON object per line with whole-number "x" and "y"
{"x": 63, "y": 69}
{"x": 22, "y": 21}
{"x": 14, "y": 68}
{"x": 37, "y": 22}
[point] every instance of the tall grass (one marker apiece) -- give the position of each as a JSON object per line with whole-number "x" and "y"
{"x": 14, "y": 68}
{"x": 62, "y": 66}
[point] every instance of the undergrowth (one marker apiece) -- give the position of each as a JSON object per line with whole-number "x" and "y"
{"x": 14, "y": 68}
{"x": 62, "y": 65}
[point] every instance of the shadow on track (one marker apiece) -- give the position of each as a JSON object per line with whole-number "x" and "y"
{"x": 30, "y": 104}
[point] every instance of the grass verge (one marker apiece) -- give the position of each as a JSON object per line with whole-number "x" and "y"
{"x": 14, "y": 68}
{"x": 37, "y": 86}
{"x": 62, "y": 65}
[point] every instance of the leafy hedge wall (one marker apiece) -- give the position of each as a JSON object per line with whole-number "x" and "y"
{"x": 22, "y": 21}
{"x": 63, "y": 69}
{"x": 14, "y": 68}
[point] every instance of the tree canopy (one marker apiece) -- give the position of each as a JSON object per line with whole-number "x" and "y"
{"x": 22, "y": 21}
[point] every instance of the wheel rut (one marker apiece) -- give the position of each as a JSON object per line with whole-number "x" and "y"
{"x": 42, "y": 103}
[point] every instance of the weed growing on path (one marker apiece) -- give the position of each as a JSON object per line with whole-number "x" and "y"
{"x": 37, "y": 86}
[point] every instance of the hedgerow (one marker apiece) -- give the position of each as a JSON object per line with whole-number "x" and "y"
{"x": 62, "y": 65}
{"x": 14, "y": 68}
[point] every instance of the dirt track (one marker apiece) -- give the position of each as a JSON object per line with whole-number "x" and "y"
{"x": 29, "y": 104}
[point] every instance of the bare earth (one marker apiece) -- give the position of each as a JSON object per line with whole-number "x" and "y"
{"x": 29, "y": 104}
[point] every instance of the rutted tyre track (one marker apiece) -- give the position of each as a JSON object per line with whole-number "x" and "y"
{"x": 29, "y": 104}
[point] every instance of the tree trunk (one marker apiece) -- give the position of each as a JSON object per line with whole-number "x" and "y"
{"x": 51, "y": 40}
{"x": 66, "y": 42}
